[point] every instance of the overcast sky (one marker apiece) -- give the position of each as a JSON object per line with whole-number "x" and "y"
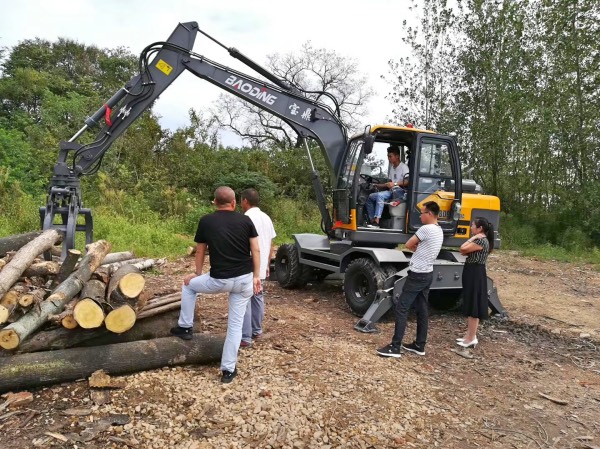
{"x": 368, "y": 31}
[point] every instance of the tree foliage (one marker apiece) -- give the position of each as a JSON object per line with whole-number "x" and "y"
{"x": 518, "y": 82}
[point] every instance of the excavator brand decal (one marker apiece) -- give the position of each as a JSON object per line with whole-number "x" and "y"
{"x": 164, "y": 67}
{"x": 256, "y": 92}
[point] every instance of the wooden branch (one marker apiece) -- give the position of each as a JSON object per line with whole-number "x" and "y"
{"x": 157, "y": 302}
{"x": 24, "y": 257}
{"x": 176, "y": 305}
{"x": 555, "y": 400}
{"x": 51, "y": 367}
{"x": 41, "y": 269}
{"x": 12, "y": 335}
{"x": 118, "y": 257}
{"x": 113, "y": 267}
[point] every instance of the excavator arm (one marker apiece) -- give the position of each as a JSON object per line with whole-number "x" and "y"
{"x": 160, "y": 64}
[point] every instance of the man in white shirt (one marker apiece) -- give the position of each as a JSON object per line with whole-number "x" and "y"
{"x": 252, "y": 327}
{"x": 426, "y": 245}
{"x": 394, "y": 188}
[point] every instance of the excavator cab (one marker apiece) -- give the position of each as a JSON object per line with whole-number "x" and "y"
{"x": 434, "y": 175}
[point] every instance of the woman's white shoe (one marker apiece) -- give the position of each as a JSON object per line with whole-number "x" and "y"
{"x": 469, "y": 344}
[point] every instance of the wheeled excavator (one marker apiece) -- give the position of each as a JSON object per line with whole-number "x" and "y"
{"x": 373, "y": 269}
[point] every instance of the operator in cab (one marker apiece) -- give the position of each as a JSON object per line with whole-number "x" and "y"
{"x": 393, "y": 189}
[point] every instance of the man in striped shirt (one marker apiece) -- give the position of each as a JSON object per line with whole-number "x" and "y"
{"x": 426, "y": 245}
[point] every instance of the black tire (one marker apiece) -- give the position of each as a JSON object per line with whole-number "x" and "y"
{"x": 290, "y": 274}
{"x": 362, "y": 279}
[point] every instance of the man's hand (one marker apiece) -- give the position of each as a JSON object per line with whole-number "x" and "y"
{"x": 390, "y": 185}
{"x": 188, "y": 278}
{"x": 257, "y": 285}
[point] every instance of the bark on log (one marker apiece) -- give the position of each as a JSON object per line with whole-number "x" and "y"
{"x": 145, "y": 329}
{"x": 48, "y": 268}
{"x": 51, "y": 367}
{"x": 23, "y": 258}
{"x": 6, "y": 259}
{"x": 16, "y": 242}
{"x": 118, "y": 257}
{"x": 65, "y": 318}
{"x": 67, "y": 266}
{"x": 12, "y": 335}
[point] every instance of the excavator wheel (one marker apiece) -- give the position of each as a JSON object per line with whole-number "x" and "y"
{"x": 362, "y": 279}
{"x": 290, "y": 273}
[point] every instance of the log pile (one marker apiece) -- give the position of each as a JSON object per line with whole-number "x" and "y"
{"x": 96, "y": 290}
{"x": 61, "y": 319}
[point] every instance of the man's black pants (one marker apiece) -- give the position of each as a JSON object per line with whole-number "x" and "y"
{"x": 415, "y": 290}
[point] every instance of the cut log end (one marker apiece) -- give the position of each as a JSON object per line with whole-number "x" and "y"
{"x": 26, "y": 300}
{"x": 9, "y": 339}
{"x": 120, "y": 319}
{"x": 4, "y": 314}
{"x": 88, "y": 314}
{"x": 69, "y": 322}
{"x": 131, "y": 285}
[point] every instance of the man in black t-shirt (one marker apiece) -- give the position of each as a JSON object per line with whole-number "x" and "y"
{"x": 234, "y": 268}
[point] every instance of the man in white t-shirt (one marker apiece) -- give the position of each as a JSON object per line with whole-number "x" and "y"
{"x": 252, "y": 327}
{"x": 426, "y": 245}
{"x": 394, "y": 188}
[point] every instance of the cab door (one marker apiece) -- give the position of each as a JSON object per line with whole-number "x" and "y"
{"x": 435, "y": 175}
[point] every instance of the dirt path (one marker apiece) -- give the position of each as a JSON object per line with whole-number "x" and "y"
{"x": 313, "y": 382}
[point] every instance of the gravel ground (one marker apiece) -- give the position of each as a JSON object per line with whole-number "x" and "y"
{"x": 313, "y": 382}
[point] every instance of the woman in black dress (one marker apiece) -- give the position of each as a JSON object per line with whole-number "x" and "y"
{"x": 474, "y": 278}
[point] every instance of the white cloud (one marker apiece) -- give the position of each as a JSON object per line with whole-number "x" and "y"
{"x": 368, "y": 31}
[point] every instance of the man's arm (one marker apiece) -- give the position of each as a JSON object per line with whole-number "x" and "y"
{"x": 412, "y": 243}
{"x": 255, "y": 251}
{"x": 199, "y": 260}
{"x": 271, "y": 257}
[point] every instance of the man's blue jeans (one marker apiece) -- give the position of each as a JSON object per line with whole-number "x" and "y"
{"x": 240, "y": 291}
{"x": 255, "y": 311}
{"x": 376, "y": 201}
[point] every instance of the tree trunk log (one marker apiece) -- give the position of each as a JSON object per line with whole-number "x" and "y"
{"x": 51, "y": 367}
{"x": 10, "y": 301}
{"x": 16, "y": 242}
{"x": 157, "y": 302}
{"x": 12, "y": 335}
{"x": 118, "y": 257}
{"x": 127, "y": 281}
{"x": 24, "y": 257}
{"x": 144, "y": 329}
{"x": 41, "y": 269}
{"x": 89, "y": 311}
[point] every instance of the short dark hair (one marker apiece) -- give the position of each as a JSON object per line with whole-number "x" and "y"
{"x": 224, "y": 195}
{"x": 432, "y": 207}
{"x": 394, "y": 149}
{"x": 250, "y": 195}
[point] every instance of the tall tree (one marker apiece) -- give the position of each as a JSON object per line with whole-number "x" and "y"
{"x": 312, "y": 70}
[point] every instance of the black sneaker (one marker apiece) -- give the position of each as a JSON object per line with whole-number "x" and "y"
{"x": 389, "y": 351}
{"x": 414, "y": 348}
{"x": 185, "y": 333}
{"x": 228, "y": 376}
